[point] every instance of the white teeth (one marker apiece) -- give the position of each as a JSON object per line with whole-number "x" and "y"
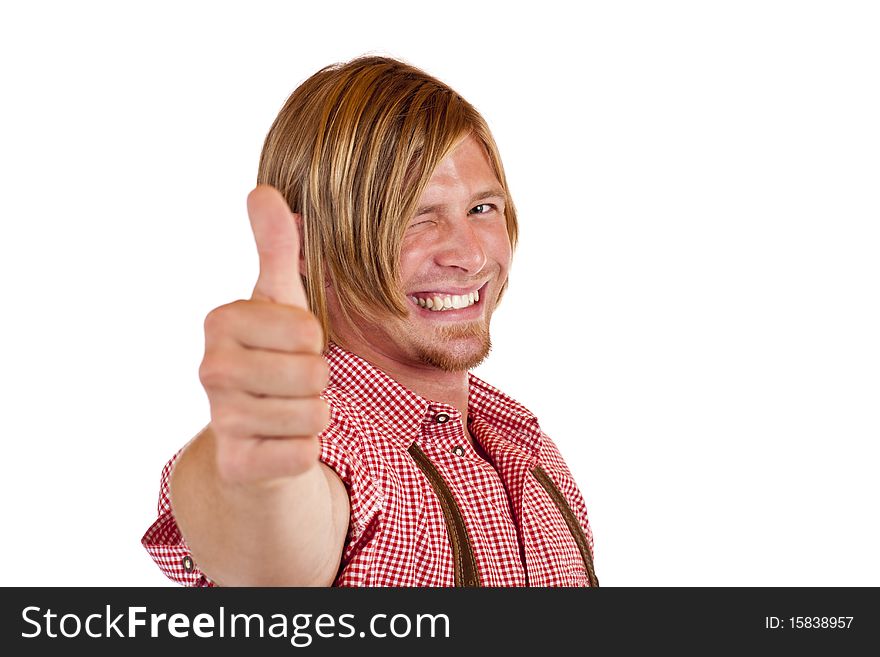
{"x": 449, "y": 302}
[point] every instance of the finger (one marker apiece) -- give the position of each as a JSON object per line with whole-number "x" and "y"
{"x": 254, "y": 460}
{"x": 264, "y": 325}
{"x": 268, "y": 373}
{"x": 244, "y": 416}
{"x": 277, "y": 239}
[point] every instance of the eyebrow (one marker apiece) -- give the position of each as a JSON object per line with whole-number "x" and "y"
{"x": 495, "y": 192}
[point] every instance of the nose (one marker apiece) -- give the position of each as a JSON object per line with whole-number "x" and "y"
{"x": 461, "y": 247}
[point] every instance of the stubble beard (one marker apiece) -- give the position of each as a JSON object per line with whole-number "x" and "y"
{"x": 456, "y": 348}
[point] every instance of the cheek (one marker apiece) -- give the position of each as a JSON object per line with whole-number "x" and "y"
{"x": 412, "y": 262}
{"x": 498, "y": 248}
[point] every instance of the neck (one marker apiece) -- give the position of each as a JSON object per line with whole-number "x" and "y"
{"x": 426, "y": 381}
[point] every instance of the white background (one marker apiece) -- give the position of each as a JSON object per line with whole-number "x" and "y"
{"x": 693, "y": 312}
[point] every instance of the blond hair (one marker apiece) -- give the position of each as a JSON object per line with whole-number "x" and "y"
{"x": 352, "y": 151}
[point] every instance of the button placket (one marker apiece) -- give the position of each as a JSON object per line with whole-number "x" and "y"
{"x": 442, "y": 427}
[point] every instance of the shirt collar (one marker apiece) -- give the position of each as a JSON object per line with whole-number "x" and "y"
{"x": 511, "y": 419}
{"x": 388, "y": 403}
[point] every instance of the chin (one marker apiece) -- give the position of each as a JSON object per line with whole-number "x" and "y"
{"x": 457, "y": 348}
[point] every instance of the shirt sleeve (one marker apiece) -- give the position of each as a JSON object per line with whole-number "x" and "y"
{"x": 340, "y": 450}
{"x": 554, "y": 463}
{"x": 166, "y": 545}
{"x": 343, "y": 452}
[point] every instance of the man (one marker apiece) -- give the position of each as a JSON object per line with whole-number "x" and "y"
{"x": 348, "y": 444}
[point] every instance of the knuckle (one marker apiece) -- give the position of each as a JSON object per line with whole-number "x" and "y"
{"x": 208, "y": 372}
{"x": 215, "y": 371}
{"x": 228, "y": 420}
{"x": 215, "y": 320}
{"x": 218, "y": 320}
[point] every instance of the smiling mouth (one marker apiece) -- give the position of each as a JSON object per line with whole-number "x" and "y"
{"x": 441, "y": 301}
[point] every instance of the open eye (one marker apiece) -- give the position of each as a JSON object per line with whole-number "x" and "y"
{"x": 482, "y": 208}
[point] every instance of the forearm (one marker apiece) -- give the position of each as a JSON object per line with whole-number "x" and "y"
{"x": 287, "y": 532}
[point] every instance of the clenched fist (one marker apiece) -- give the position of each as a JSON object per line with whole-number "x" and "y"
{"x": 263, "y": 369}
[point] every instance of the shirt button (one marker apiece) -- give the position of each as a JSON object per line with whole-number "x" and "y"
{"x": 187, "y": 563}
{"x": 441, "y": 418}
{"x": 458, "y": 450}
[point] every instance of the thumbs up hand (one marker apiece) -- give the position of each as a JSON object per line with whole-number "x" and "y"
{"x": 263, "y": 370}
{"x": 277, "y": 241}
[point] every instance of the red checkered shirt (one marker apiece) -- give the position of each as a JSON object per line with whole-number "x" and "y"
{"x": 398, "y": 533}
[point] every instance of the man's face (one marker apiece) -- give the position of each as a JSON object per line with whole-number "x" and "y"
{"x": 454, "y": 262}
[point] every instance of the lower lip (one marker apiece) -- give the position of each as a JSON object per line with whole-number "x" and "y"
{"x": 471, "y": 312}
